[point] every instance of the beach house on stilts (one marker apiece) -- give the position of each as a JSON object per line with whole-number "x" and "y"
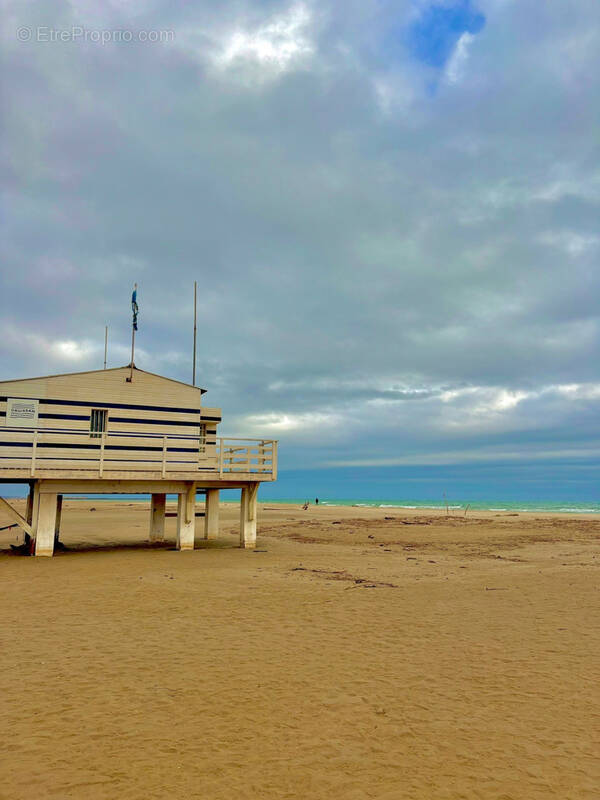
{"x": 129, "y": 431}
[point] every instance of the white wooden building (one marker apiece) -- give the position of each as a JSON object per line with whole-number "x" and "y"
{"x": 126, "y": 431}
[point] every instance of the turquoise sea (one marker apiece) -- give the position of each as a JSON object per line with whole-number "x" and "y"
{"x": 454, "y": 504}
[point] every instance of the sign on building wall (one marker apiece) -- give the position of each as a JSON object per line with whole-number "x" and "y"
{"x": 21, "y": 413}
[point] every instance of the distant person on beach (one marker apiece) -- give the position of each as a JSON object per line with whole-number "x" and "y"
{"x": 316, "y": 501}
{"x": 305, "y": 506}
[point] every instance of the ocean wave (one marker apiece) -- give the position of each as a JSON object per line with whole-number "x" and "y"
{"x": 424, "y": 506}
{"x": 581, "y": 510}
{"x": 545, "y": 508}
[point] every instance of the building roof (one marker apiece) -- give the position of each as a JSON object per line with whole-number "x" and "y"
{"x": 112, "y": 369}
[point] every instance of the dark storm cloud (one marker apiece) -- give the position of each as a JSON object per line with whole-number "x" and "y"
{"x": 385, "y": 273}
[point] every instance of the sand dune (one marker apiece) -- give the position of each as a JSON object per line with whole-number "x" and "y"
{"x": 350, "y": 655}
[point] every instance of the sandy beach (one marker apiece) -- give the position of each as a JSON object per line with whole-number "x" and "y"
{"x": 361, "y": 652}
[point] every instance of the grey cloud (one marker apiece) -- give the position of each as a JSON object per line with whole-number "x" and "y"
{"x": 342, "y": 248}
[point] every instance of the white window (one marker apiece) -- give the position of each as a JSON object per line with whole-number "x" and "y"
{"x": 98, "y": 422}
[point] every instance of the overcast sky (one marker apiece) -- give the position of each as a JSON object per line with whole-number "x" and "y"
{"x": 391, "y": 209}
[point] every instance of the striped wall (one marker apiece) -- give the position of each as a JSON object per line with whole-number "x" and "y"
{"x": 135, "y": 430}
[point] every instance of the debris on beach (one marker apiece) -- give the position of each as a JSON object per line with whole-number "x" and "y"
{"x": 342, "y": 575}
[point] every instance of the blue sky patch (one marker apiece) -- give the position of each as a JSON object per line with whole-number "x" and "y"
{"x": 433, "y": 36}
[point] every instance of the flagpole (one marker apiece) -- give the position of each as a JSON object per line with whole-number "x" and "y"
{"x": 134, "y": 309}
{"x": 194, "y": 367}
{"x": 132, "y": 351}
{"x": 105, "y": 343}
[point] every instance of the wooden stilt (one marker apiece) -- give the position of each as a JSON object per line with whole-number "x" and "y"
{"x": 29, "y": 510}
{"x": 211, "y": 514}
{"x": 59, "y": 502}
{"x": 248, "y": 516}
{"x": 14, "y": 514}
{"x": 157, "y": 517}
{"x": 186, "y": 518}
{"x": 45, "y": 524}
{"x": 34, "y": 513}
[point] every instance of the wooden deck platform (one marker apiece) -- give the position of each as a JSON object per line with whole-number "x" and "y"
{"x": 33, "y": 453}
{"x": 56, "y": 463}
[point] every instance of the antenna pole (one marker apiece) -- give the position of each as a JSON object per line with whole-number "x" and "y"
{"x": 105, "y": 343}
{"x": 194, "y": 356}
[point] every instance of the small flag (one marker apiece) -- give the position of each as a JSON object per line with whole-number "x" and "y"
{"x": 134, "y": 306}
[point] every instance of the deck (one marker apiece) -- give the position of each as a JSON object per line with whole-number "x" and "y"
{"x": 28, "y": 454}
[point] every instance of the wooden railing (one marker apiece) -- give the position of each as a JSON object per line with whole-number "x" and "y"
{"x": 43, "y": 451}
{"x": 247, "y": 455}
